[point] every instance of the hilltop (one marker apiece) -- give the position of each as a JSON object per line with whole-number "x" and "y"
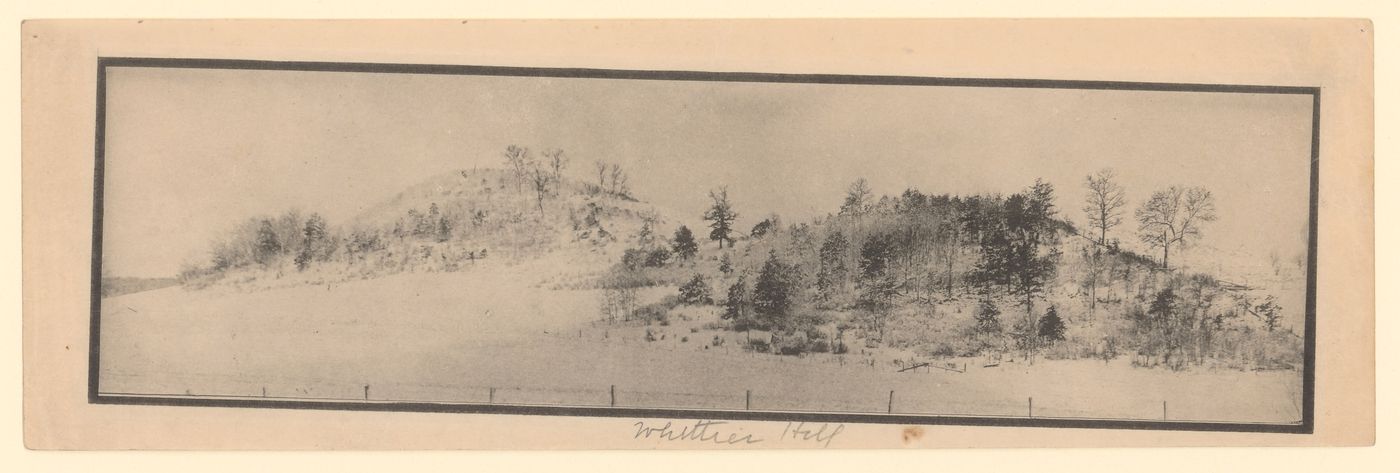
{"x": 447, "y": 223}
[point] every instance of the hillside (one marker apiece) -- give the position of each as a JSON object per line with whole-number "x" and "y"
{"x": 447, "y": 223}
{"x": 909, "y": 277}
{"x": 922, "y": 277}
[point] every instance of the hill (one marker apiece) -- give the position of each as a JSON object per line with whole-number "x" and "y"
{"x": 447, "y": 223}
{"x": 916, "y": 276}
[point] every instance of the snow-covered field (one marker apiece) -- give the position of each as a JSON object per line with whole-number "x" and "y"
{"x": 493, "y": 334}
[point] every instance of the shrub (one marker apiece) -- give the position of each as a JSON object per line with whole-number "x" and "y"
{"x": 657, "y": 258}
{"x": 696, "y": 291}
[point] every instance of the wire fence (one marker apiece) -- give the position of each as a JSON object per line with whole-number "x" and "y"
{"x": 612, "y": 396}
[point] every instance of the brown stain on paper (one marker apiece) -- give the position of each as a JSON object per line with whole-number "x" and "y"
{"x": 913, "y": 433}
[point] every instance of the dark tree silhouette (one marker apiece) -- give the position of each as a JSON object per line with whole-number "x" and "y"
{"x": 987, "y": 320}
{"x": 696, "y": 291}
{"x": 684, "y": 243}
{"x": 721, "y": 216}
{"x": 736, "y": 302}
{"x": 878, "y": 284}
{"x": 540, "y": 180}
{"x": 1052, "y": 327}
{"x": 774, "y": 291}
{"x": 267, "y": 246}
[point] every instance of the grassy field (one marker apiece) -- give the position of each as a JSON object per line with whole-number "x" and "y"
{"x": 495, "y": 334}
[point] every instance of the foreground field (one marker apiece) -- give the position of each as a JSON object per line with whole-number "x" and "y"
{"x": 484, "y": 336}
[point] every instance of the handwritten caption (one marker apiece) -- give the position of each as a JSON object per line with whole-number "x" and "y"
{"x": 725, "y": 433}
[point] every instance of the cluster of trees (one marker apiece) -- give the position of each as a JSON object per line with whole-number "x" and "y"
{"x": 490, "y": 215}
{"x": 879, "y": 260}
{"x": 267, "y": 240}
{"x": 1192, "y": 319}
{"x": 612, "y": 179}
{"x": 544, "y": 174}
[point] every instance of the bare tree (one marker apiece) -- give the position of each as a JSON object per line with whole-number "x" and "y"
{"x": 1174, "y": 217}
{"x": 602, "y": 169}
{"x": 518, "y": 158}
{"x": 618, "y": 184}
{"x": 857, "y": 198}
{"x": 557, "y": 162}
{"x": 1104, "y": 204}
{"x": 541, "y": 178}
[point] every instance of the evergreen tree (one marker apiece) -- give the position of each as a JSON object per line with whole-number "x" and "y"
{"x": 1162, "y": 308}
{"x": 1052, "y": 328}
{"x": 444, "y": 230}
{"x": 721, "y": 216}
{"x": 266, "y": 246}
{"x": 763, "y": 228}
{"x": 987, "y": 318}
{"x": 696, "y": 291}
{"x": 313, "y": 242}
{"x": 878, "y": 283}
{"x": 876, "y": 255}
{"x": 774, "y": 291}
{"x": 684, "y": 243}
{"x": 725, "y": 265}
{"x": 315, "y": 230}
{"x": 736, "y": 302}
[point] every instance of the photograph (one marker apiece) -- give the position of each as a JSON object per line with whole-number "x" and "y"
{"x": 704, "y": 245}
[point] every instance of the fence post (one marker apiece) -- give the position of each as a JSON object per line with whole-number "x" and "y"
{"x": 612, "y": 395}
{"x": 491, "y": 396}
{"x": 748, "y": 399}
{"x": 366, "y": 392}
{"x": 1030, "y": 407}
{"x": 1164, "y": 410}
{"x": 264, "y": 391}
{"x": 891, "y": 408}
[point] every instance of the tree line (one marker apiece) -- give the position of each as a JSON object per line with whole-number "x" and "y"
{"x": 876, "y": 261}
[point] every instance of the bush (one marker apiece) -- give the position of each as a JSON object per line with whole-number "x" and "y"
{"x": 760, "y": 346}
{"x": 657, "y": 258}
{"x": 696, "y": 291}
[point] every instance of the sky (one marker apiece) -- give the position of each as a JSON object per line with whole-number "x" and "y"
{"x": 192, "y": 152}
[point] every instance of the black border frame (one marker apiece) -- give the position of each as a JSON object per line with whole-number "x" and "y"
{"x": 94, "y": 345}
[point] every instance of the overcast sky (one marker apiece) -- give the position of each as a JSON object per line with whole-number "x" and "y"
{"x": 192, "y": 152}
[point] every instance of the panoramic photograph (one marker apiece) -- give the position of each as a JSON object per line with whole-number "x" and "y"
{"x": 535, "y": 239}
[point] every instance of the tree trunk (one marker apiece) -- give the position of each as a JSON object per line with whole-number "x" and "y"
{"x": 1103, "y": 229}
{"x": 1031, "y": 329}
{"x": 951, "y": 256}
{"x": 1093, "y": 296}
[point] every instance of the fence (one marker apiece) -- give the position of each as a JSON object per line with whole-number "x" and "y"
{"x": 887, "y": 402}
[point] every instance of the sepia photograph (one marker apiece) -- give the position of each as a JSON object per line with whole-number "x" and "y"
{"x": 735, "y": 245}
